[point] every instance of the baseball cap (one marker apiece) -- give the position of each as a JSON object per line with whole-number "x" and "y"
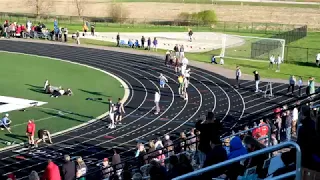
{"x": 105, "y": 159}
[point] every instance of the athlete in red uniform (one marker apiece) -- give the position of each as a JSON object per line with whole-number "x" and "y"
{"x": 31, "y": 128}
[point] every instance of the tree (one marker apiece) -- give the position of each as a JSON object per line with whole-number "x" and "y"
{"x": 40, "y": 7}
{"x": 80, "y": 5}
{"x": 118, "y": 13}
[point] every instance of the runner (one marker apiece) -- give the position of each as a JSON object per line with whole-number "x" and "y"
{"x": 187, "y": 75}
{"x": 156, "y": 101}
{"x": 185, "y": 94}
{"x": 163, "y": 80}
{"x": 177, "y": 65}
{"x": 119, "y": 111}
{"x": 180, "y": 80}
{"x": 43, "y": 134}
{"x": 31, "y": 128}
{"x": 111, "y": 116}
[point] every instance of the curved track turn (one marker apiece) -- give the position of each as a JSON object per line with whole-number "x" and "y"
{"x": 207, "y": 92}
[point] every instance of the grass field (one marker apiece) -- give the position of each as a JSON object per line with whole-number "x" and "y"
{"x": 27, "y": 75}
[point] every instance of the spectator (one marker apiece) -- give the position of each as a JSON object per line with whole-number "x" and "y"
{"x": 149, "y": 44}
{"x": 282, "y": 164}
{"x": 157, "y": 172}
{"x": 155, "y": 44}
{"x": 158, "y": 143}
{"x": 142, "y": 41}
{"x": 236, "y": 150}
{"x": 152, "y": 150}
{"x": 34, "y": 176}
{"x": 168, "y": 146}
{"x": 160, "y": 157}
{"x": 106, "y": 169}
{"x": 208, "y": 129}
{"x": 258, "y": 161}
{"x": 81, "y": 169}
{"x": 118, "y": 40}
{"x": 141, "y": 155}
{"x": 295, "y": 115}
{"x": 68, "y": 170}
{"x": 227, "y": 145}
{"x": 116, "y": 162}
{"x": 174, "y": 169}
{"x": 126, "y": 175}
{"x": 216, "y": 155}
{"x": 185, "y": 164}
{"x": 192, "y": 139}
{"x": 181, "y": 143}
{"x": 288, "y": 125}
{"x": 51, "y": 172}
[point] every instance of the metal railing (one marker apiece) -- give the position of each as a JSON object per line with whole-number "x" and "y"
{"x": 296, "y": 173}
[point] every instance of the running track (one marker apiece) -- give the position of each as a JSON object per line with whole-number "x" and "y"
{"x": 208, "y": 92}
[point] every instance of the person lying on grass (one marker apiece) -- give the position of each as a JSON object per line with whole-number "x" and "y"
{"x": 59, "y": 92}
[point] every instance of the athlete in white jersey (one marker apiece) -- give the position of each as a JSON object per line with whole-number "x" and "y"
{"x": 187, "y": 76}
{"x": 163, "y": 80}
{"x": 111, "y": 116}
{"x": 185, "y": 94}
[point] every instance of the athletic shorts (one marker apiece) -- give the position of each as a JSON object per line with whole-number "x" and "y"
{"x": 162, "y": 83}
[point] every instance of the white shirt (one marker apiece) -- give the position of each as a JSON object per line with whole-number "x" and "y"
{"x": 187, "y": 73}
{"x": 183, "y": 69}
{"x": 156, "y": 97}
{"x": 163, "y": 78}
{"x": 185, "y": 61}
{"x": 295, "y": 114}
{"x": 318, "y": 56}
{"x": 238, "y": 72}
{"x": 300, "y": 83}
{"x": 279, "y": 60}
{"x": 272, "y": 59}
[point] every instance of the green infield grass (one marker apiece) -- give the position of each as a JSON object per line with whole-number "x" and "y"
{"x": 23, "y": 76}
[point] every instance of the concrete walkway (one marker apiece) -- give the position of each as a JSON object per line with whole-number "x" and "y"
{"x": 207, "y": 66}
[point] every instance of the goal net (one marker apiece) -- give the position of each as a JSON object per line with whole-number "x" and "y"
{"x": 251, "y": 48}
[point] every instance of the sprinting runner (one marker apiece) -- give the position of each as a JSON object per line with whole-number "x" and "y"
{"x": 31, "y": 128}
{"x": 43, "y": 134}
{"x": 163, "y": 80}
{"x": 119, "y": 111}
{"x": 180, "y": 80}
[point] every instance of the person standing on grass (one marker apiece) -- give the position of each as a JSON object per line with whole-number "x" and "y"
{"x": 278, "y": 62}
{"x": 311, "y": 88}
{"x": 92, "y": 29}
{"x": 155, "y": 44}
{"x": 213, "y": 60}
{"x": 31, "y": 128}
{"x": 318, "y": 60}
{"x": 190, "y": 33}
{"x": 119, "y": 111}
{"x": 78, "y": 37}
{"x": 238, "y": 75}
{"x": 292, "y": 83}
{"x": 118, "y": 40}
{"x": 156, "y": 101}
{"x": 257, "y": 80}
{"x": 149, "y": 44}
{"x": 272, "y": 58}
{"x": 300, "y": 84}
{"x": 142, "y": 42}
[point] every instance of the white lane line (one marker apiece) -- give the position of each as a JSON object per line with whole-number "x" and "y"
{"x": 254, "y": 93}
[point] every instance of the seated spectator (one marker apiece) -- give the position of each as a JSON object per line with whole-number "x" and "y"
{"x": 216, "y": 155}
{"x": 126, "y": 174}
{"x": 192, "y": 139}
{"x": 168, "y": 144}
{"x": 81, "y": 169}
{"x": 282, "y": 164}
{"x": 227, "y": 145}
{"x": 257, "y": 161}
{"x": 18, "y": 31}
{"x": 174, "y": 168}
{"x": 51, "y": 172}
{"x": 158, "y": 144}
{"x": 151, "y": 151}
{"x": 136, "y": 44}
{"x": 236, "y": 150}
{"x": 181, "y": 143}
{"x": 34, "y": 176}
{"x": 157, "y": 172}
{"x": 130, "y": 43}
{"x": 185, "y": 164}
{"x": 160, "y": 157}
{"x": 106, "y": 169}
{"x": 141, "y": 155}
{"x": 68, "y": 170}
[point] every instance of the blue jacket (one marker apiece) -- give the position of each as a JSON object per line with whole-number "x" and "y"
{"x": 236, "y": 148}
{"x": 4, "y": 121}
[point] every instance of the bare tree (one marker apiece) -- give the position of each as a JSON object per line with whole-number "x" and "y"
{"x": 80, "y": 5}
{"x": 40, "y": 7}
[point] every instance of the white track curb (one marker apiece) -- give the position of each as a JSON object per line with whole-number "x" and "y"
{"x": 125, "y": 97}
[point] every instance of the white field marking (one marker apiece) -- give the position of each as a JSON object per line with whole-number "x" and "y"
{"x": 253, "y": 93}
{"x": 104, "y": 127}
{"x": 124, "y": 85}
{"x": 14, "y": 103}
{"x": 123, "y": 126}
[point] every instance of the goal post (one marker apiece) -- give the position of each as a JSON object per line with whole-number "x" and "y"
{"x": 251, "y": 48}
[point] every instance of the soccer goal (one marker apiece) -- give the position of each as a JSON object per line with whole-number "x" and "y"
{"x": 251, "y": 48}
